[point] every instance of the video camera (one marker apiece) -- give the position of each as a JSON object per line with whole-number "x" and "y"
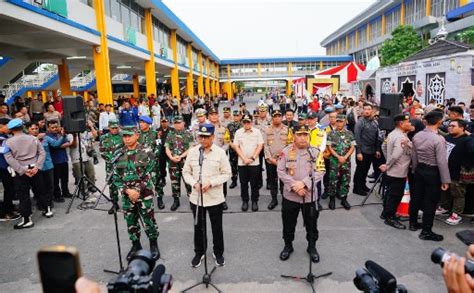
{"x": 142, "y": 276}
{"x": 376, "y": 279}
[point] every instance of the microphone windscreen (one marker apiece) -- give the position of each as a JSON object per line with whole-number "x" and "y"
{"x": 156, "y": 275}
{"x": 386, "y": 280}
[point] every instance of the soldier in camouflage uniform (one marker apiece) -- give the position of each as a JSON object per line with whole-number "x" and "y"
{"x": 177, "y": 145}
{"x": 109, "y": 144}
{"x": 341, "y": 144}
{"x": 132, "y": 176}
{"x": 162, "y": 134}
{"x": 233, "y": 157}
{"x": 221, "y": 139}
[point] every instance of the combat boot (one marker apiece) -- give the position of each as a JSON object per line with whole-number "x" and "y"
{"x": 155, "y": 251}
{"x": 313, "y": 253}
{"x": 233, "y": 184}
{"x": 136, "y": 246}
{"x": 345, "y": 203}
{"x": 273, "y": 203}
{"x": 175, "y": 204}
{"x": 159, "y": 202}
{"x": 332, "y": 203}
{"x": 286, "y": 252}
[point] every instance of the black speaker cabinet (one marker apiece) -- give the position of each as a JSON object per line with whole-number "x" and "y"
{"x": 390, "y": 106}
{"x": 74, "y": 120}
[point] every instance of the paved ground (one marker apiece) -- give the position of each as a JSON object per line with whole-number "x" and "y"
{"x": 253, "y": 243}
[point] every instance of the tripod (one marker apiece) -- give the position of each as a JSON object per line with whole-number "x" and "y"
{"x": 310, "y": 278}
{"x": 378, "y": 181}
{"x": 80, "y": 188}
{"x": 206, "y": 278}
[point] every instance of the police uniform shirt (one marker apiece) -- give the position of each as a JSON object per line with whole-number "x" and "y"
{"x": 215, "y": 170}
{"x": 398, "y": 154}
{"x": 276, "y": 139}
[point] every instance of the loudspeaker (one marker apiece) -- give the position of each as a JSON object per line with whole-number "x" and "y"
{"x": 74, "y": 120}
{"x": 390, "y": 106}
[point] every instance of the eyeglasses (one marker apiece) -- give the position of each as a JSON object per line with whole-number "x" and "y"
{"x": 451, "y": 125}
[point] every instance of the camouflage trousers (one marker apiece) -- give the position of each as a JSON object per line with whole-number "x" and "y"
{"x": 159, "y": 184}
{"x": 234, "y": 159}
{"x": 339, "y": 178}
{"x": 175, "y": 170}
{"x": 142, "y": 208}
{"x": 113, "y": 192}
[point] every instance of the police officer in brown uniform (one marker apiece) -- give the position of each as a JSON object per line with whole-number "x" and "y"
{"x": 276, "y": 137}
{"x": 297, "y": 170}
{"x": 262, "y": 122}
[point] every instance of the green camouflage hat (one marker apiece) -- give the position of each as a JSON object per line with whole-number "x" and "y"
{"x": 113, "y": 123}
{"x": 341, "y": 117}
{"x": 129, "y": 130}
{"x": 177, "y": 119}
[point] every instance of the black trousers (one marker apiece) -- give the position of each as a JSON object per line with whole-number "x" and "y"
{"x": 61, "y": 173}
{"x": 215, "y": 216}
{"x": 8, "y": 191}
{"x": 48, "y": 186}
{"x": 22, "y": 188}
{"x": 224, "y": 189}
{"x": 162, "y": 162}
{"x": 395, "y": 190}
{"x": 362, "y": 170}
{"x": 249, "y": 174}
{"x": 187, "y": 119}
{"x": 426, "y": 194}
{"x": 289, "y": 215}
{"x": 260, "y": 175}
{"x": 272, "y": 178}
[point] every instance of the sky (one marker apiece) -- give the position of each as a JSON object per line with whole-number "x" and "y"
{"x": 265, "y": 28}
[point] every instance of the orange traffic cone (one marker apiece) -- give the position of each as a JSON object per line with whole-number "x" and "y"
{"x": 403, "y": 207}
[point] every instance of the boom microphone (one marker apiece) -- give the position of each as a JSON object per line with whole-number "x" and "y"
{"x": 387, "y": 281}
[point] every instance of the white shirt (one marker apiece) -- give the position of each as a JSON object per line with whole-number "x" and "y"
{"x": 86, "y": 139}
{"x": 248, "y": 141}
{"x": 156, "y": 111}
{"x": 215, "y": 170}
{"x": 143, "y": 110}
{"x": 104, "y": 119}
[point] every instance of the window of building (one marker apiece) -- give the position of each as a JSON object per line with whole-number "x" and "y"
{"x": 363, "y": 36}
{"x": 409, "y": 12}
{"x": 376, "y": 28}
{"x": 392, "y": 20}
{"x": 420, "y": 9}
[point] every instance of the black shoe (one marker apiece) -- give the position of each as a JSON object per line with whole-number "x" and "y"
{"x": 175, "y": 204}
{"x": 254, "y": 206}
{"x": 382, "y": 216}
{"x": 113, "y": 209}
{"x": 67, "y": 195}
{"x": 136, "y": 246}
{"x": 58, "y": 199}
{"x": 324, "y": 195}
{"x": 159, "y": 202}
{"x": 9, "y": 217}
{"x": 345, "y": 204}
{"x": 197, "y": 260}
{"x": 332, "y": 203}
{"x": 286, "y": 252}
{"x": 25, "y": 223}
{"x": 233, "y": 184}
{"x": 414, "y": 226}
{"x": 320, "y": 207}
{"x": 155, "y": 251}
{"x": 313, "y": 253}
{"x": 245, "y": 206}
{"x": 268, "y": 186}
{"x": 430, "y": 235}
{"x": 273, "y": 203}
{"x": 224, "y": 206}
{"x": 360, "y": 192}
{"x": 394, "y": 223}
{"x": 220, "y": 261}
{"x": 48, "y": 212}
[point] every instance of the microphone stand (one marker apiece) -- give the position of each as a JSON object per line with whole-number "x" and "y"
{"x": 206, "y": 278}
{"x": 310, "y": 278}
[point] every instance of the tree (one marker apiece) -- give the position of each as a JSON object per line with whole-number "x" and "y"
{"x": 404, "y": 42}
{"x": 466, "y": 36}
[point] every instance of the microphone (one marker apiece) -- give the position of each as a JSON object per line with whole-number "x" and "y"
{"x": 386, "y": 280}
{"x": 364, "y": 282}
{"x": 441, "y": 255}
{"x": 162, "y": 282}
{"x": 117, "y": 156}
{"x": 201, "y": 155}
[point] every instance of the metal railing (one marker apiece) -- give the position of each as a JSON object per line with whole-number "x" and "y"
{"x": 29, "y": 81}
{"x": 82, "y": 80}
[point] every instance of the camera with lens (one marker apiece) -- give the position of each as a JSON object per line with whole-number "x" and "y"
{"x": 441, "y": 255}
{"x": 142, "y": 276}
{"x": 375, "y": 279}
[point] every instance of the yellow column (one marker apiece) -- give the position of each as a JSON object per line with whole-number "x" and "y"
{"x": 228, "y": 86}
{"x": 207, "y": 88}
{"x": 368, "y": 32}
{"x": 462, "y": 2}
{"x": 64, "y": 80}
{"x": 44, "y": 95}
{"x": 189, "y": 78}
{"x": 74, "y": 94}
{"x": 29, "y": 94}
{"x": 150, "y": 69}
{"x": 402, "y": 13}
{"x": 347, "y": 42}
{"x": 383, "y": 24}
{"x": 259, "y": 70}
{"x": 136, "y": 86}
{"x": 200, "y": 78}
{"x": 86, "y": 96}
{"x": 101, "y": 57}
{"x": 289, "y": 81}
{"x": 338, "y": 47}
{"x": 357, "y": 38}
{"x": 428, "y": 8}
{"x": 218, "y": 85}
{"x": 321, "y": 65}
{"x": 174, "y": 71}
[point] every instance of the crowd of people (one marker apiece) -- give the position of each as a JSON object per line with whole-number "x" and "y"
{"x": 431, "y": 147}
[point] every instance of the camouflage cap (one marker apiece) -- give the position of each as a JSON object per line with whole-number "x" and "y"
{"x": 113, "y": 123}
{"x": 178, "y": 119}
{"x": 341, "y": 117}
{"x": 129, "y": 130}
{"x": 236, "y": 112}
{"x": 302, "y": 116}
